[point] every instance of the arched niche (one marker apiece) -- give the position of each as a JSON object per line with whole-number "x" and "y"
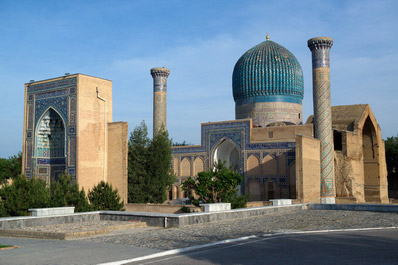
{"x": 198, "y": 166}
{"x": 253, "y": 166}
{"x": 269, "y": 165}
{"x": 49, "y": 148}
{"x": 186, "y": 167}
{"x": 254, "y": 187}
{"x": 370, "y": 161}
{"x": 270, "y": 190}
{"x": 227, "y": 152}
{"x": 50, "y": 136}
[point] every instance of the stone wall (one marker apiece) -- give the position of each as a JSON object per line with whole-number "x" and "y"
{"x": 93, "y": 115}
{"x": 308, "y": 169}
{"x": 117, "y": 153}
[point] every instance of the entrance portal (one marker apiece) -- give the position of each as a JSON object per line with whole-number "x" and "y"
{"x": 370, "y": 162}
{"x": 227, "y": 152}
{"x": 50, "y": 145}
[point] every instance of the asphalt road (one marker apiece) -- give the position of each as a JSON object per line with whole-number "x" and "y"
{"x": 353, "y": 247}
{"x": 61, "y": 252}
{"x": 356, "y": 247}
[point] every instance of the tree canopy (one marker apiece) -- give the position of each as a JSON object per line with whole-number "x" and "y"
{"x": 149, "y": 173}
{"x": 392, "y": 154}
{"x": 215, "y": 185}
{"x": 10, "y": 167}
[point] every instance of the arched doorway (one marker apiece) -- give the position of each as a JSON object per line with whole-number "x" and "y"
{"x": 254, "y": 187}
{"x": 50, "y": 145}
{"x": 370, "y": 161}
{"x": 227, "y": 152}
{"x": 269, "y": 190}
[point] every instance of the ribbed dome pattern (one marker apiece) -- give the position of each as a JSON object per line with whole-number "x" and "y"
{"x": 268, "y": 69}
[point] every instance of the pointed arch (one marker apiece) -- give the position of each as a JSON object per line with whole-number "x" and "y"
{"x": 254, "y": 187}
{"x": 50, "y": 135}
{"x": 269, "y": 190}
{"x": 371, "y": 165}
{"x": 253, "y": 166}
{"x": 226, "y": 150}
{"x": 269, "y": 165}
{"x": 198, "y": 166}
{"x": 186, "y": 167}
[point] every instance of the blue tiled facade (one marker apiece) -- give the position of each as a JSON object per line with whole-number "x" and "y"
{"x": 238, "y": 132}
{"x": 60, "y": 98}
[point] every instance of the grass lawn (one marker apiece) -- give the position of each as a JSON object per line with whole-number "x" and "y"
{"x": 5, "y": 246}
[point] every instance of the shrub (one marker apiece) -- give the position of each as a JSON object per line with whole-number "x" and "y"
{"x": 66, "y": 193}
{"x": 237, "y": 201}
{"x": 216, "y": 185}
{"x": 3, "y": 212}
{"x": 103, "y": 197}
{"x": 23, "y": 194}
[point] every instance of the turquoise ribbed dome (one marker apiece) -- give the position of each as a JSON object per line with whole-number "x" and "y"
{"x": 267, "y": 72}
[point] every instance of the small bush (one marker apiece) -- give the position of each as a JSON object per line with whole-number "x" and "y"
{"x": 24, "y": 194}
{"x": 3, "y": 212}
{"x": 65, "y": 193}
{"x": 103, "y": 197}
{"x": 237, "y": 201}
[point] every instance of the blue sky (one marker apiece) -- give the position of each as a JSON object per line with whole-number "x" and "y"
{"x": 200, "y": 42}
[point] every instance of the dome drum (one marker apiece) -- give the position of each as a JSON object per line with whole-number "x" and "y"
{"x": 264, "y": 113}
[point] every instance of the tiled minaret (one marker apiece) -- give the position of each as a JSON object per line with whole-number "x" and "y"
{"x": 320, "y": 48}
{"x": 159, "y": 75}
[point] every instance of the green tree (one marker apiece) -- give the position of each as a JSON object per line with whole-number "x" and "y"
{"x": 216, "y": 185}
{"x": 181, "y": 144}
{"x": 392, "y": 154}
{"x": 23, "y": 194}
{"x": 104, "y": 197}
{"x": 11, "y": 167}
{"x": 159, "y": 160}
{"x": 149, "y": 161}
{"x": 137, "y": 164}
{"x": 66, "y": 193}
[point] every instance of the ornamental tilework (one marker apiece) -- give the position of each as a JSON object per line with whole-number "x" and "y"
{"x": 72, "y": 151}
{"x": 60, "y": 97}
{"x": 52, "y": 85}
{"x": 50, "y": 94}
{"x": 30, "y": 116}
{"x": 59, "y": 103}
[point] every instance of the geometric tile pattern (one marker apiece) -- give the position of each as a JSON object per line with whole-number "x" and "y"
{"x": 58, "y": 97}
{"x": 320, "y": 48}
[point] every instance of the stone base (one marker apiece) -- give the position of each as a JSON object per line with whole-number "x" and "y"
{"x": 215, "y": 207}
{"x": 280, "y": 202}
{"x": 328, "y": 200}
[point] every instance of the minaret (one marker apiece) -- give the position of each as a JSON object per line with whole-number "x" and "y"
{"x": 320, "y": 48}
{"x": 159, "y": 75}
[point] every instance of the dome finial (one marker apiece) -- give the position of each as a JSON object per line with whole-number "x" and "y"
{"x": 267, "y": 36}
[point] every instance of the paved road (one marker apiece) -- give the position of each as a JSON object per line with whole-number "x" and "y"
{"x": 175, "y": 238}
{"x": 359, "y": 247}
{"x": 375, "y": 246}
{"x": 60, "y": 252}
